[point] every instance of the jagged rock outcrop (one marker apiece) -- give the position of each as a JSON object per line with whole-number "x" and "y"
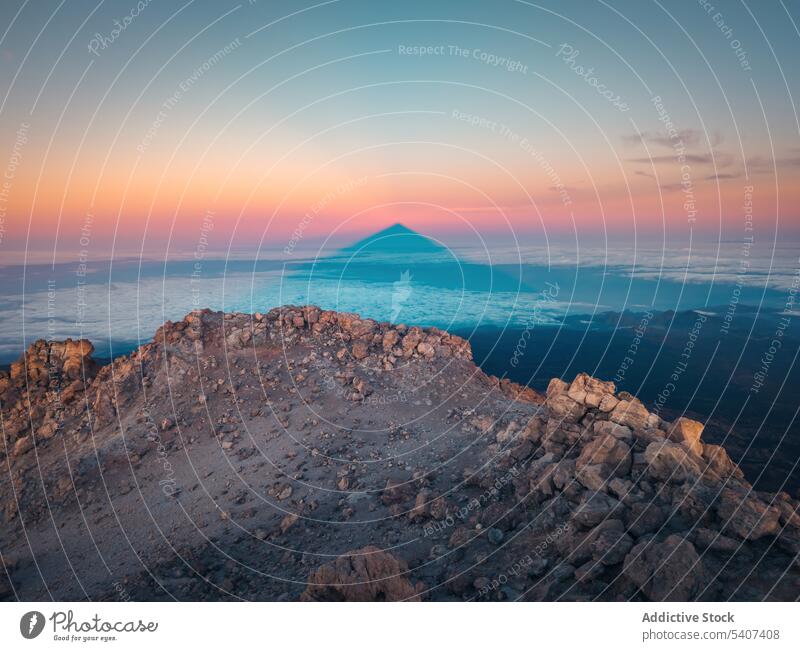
{"x": 40, "y": 388}
{"x": 648, "y": 489}
{"x": 294, "y": 435}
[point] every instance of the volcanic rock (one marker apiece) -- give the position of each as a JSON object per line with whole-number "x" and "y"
{"x": 687, "y": 431}
{"x": 367, "y": 574}
{"x": 667, "y": 571}
{"x": 290, "y": 435}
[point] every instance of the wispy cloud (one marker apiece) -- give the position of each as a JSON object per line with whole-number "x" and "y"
{"x": 766, "y": 165}
{"x": 718, "y": 158}
{"x": 722, "y": 176}
{"x": 689, "y": 137}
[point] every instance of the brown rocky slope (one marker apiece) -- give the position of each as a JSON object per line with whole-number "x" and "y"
{"x": 315, "y": 455}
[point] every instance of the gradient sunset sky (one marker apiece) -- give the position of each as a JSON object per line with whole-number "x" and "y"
{"x": 250, "y": 121}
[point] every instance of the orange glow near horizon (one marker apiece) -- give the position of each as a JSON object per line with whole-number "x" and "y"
{"x": 261, "y": 196}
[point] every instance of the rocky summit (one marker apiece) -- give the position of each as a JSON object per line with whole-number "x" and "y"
{"x": 311, "y": 455}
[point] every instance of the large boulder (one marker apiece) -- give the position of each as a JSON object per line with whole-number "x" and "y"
{"x": 397, "y": 492}
{"x": 671, "y": 462}
{"x": 687, "y": 432}
{"x": 360, "y": 349}
{"x": 620, "y": 432}
{"x": 76, "y": 355}
{"x": 693, "y": 503}
{"x": 595, "y": 509}
{"x": 709, "y": 539}
{"x": 595, "y": 478}
{"x": 389, "y": 340}
{"x": 556, "y": 386}
{"x": 745, "y": 515}
{"x": 789, "y": 509}
{"x": 610, "y": 543}
{"x": 609, "y": 452}
{"x": 7, "y": 592}
{"x": 540, "y": 478}
{"x": 589, "y": 391}
{"x": 367, "y": 574}
{"x": 666, "y": 571}
{"x": 631, "y": 413}
{"x": 644, "y": 517}
{"x": 720, "y": 463}
{"x": 565, "y": 409}
{"x": 410, "y": 342}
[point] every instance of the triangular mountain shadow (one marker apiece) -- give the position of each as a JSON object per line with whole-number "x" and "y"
{"x": 388, "y": 254}
{"x": 397, "y": 238}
